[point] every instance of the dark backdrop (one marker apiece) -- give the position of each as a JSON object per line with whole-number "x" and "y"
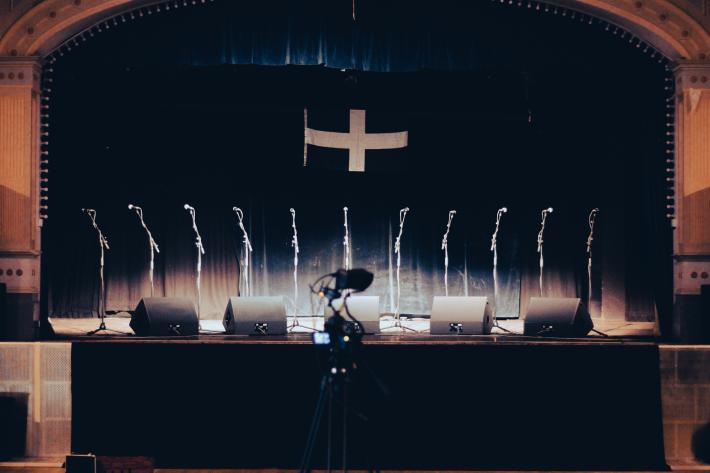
{"x": 503, "y": 106}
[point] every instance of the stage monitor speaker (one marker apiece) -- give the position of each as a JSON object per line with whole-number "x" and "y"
{"x": 461, "y": 316}
{"x": 366, "y": 309}
{"x": 255, "y": 316}
{"x": 164, "y": 317}
{"x": 557, "y": 317}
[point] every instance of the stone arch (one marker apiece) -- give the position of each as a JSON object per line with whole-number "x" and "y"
{"x": 674, "y": 27}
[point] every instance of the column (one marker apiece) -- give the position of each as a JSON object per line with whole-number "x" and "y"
{"x": 691, "y": 265}
{"x": 19, "y": 194}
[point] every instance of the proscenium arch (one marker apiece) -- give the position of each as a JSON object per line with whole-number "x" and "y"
{"x": 664, "y": 24}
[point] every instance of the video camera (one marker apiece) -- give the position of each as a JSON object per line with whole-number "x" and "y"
{"x": 341, "y": 335}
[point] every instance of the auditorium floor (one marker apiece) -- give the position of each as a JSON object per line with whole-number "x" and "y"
{"x": 118, "y": 326}
{"x": 57, "y": 467}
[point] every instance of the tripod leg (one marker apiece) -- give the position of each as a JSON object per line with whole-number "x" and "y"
{"x": 329, "y": 447}
{"x": 315, "y": 425}
{"x": 345, "y": 427}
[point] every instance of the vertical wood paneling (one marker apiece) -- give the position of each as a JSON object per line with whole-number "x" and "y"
{"x": 16, "y": 132}
{"x": 694, "y": 185}
{"x": 696, "y": 163}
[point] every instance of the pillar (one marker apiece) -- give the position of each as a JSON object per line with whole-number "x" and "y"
{"x": 691, "y": 265}
{"x": 19, "y": 195}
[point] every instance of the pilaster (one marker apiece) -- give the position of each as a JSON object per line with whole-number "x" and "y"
{"x": 692, "y": 196}
{"x": 20, "y": 190}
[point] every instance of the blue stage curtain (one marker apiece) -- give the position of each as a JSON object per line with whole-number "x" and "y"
{"x": 397, "y": 37}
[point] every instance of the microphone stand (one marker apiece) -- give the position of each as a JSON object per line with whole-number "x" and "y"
{"x": 494, "y": 249}
{"x": 445, "y": 248}
{"x": 246, "y": 252}
{"x": 200, "y": 252}
{"x": 591, "y": 220}
{"x": 539, "y": 244}
{"x": 151, "y": 243}
{"x": 398, "y": 251}
{"x": 346, "y": 240}
{"x": 294, "y": 244}
{"x": 103, "y": 246}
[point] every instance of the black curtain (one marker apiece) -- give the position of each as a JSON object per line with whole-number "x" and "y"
{"x": 543, "y": 112}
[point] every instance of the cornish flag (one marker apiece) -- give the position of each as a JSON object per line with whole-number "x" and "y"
{"x": 354, "y": 140}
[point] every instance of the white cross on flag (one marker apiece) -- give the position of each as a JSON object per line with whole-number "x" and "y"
{"x": 356, "y": 140}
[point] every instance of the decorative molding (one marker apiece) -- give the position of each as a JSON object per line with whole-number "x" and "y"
{"x": 665, "y": 24}
{"x": 51, "y": 22}
{"x": 692, "y": 75}
{"x": 21, "y": 274}
{"x": 677, "y": 28}
{"x": 20, "y": 72}
{"x": 690, "y": 274}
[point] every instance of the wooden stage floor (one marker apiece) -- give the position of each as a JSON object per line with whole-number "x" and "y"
{"x": 119, "y": 327}
{"x": 56, "y": 466}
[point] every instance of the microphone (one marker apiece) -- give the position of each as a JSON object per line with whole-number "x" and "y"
{"x": 188, "y": 207}
{"x": 88, "y": 210}
{"x": 240, "y": 216}
{"x": 504, "y": 209}
{"x": 132, "y": 207}
{"x": 595, "y": 210}
{"x": 548, "y": 210}
{"x": 290, "y": 210}
{"x": 356, "y": 279}
{"x": 406, "y": 209}
{"x": 345, "y": 209}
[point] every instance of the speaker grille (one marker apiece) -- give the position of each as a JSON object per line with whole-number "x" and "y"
{"x": 56, "y": 437}
{"x": 56, "y": 363}
{"x": 15, "y": 363}
{"x": 42, "y": 371}
{"x": 56, "y": 401}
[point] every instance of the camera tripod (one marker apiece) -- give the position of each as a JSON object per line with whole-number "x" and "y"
{"x": 344, "y": 338}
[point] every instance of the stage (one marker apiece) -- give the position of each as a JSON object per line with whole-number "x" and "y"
{"x": 118, "y": 396}
{"x": 70, "y": 328}
{"x": 416, "y": 402}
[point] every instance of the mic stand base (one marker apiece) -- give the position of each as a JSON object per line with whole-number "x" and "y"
{"x": 103, "y": 328}
{"x": 296, "y": 323}
{"x": 499, "y": 327}
{"x": 400, "y": 326}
